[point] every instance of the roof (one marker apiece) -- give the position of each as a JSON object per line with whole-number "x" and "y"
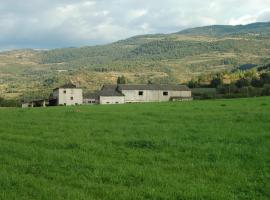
{"x": 34, "y": 101}
{"x": 154, "y": 87}
{"x": 109, "y": 91}
{"x": 66, "y": 86}
{"x": 204, "y": 90}
{"x": 91, "y": 95}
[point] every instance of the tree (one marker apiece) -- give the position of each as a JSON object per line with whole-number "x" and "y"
{"x": 265, "y": 77}
{"x": 1, "y": 100}
{"x": 121, "y": 80}
{"x": 251, "y": 73}
{"x": 243, "y": 82}
{"x": 48, "y": 82}
{"x": 193, "y": 84}
{"x": 256, "y": 82}
{"x": 150, "y": 82}
{"x": 215, "y": 82}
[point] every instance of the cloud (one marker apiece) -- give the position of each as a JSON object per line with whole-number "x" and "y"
{"x": 262, "y": 16}
{"x": 133, "y": 14}
{"x": 246, "y": 19}
{"x": 65, "y": 23}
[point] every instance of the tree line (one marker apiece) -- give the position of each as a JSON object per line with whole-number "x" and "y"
{"x": 254, "y": 82}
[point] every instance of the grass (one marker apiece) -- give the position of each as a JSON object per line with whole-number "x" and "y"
{"x": 191, "y": 150}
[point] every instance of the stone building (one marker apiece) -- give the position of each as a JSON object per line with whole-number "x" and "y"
{"x": 154, "y": 93}
{"x": 119, "y": 94}
{"x": 91, "y": 98}
{"x": 67, "y": 95}
{"x": 110, "y": 94}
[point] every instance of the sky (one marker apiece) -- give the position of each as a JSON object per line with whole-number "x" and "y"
{"x": 47, "y": 24}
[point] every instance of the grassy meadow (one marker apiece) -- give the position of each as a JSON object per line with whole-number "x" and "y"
{"x": 188, "y": 150}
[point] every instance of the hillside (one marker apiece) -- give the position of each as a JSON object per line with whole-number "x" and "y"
{"x": 189, "y": 150}
{"x": 161, "y": 58}
{"x": 262, "y": 28}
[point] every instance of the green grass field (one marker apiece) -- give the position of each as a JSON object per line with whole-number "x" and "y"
{"x": 191, "y": 150}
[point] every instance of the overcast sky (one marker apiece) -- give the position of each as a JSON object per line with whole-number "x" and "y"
{"x": 72, "y": 23}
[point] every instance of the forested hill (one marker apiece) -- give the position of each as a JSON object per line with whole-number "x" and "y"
{"x": 188, "y": 42}
{"x": 262, "y": 28}
{"x": 160, "y": 58}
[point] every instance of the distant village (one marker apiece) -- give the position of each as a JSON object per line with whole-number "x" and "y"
{"x": 71, "y": 95}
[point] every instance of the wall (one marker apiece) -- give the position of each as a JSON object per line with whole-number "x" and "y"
{"x": 112, "y": 100}
{"x": 90, "y": 101}
{"x": 27, "y": 105}
{"x": 152, "y": 95}
{"x": 66, "y": 98}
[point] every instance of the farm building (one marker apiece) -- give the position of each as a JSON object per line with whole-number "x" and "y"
{"x": 154, "y": 93}
{"x": 110, "y": 94}
{"x": 119, "y": 94}
{"x": 67, "y": 95}
{"x": 91, "y": 98}
{"x": 35, "y": 103}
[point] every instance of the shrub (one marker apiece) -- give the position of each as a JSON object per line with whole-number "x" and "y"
{"x": 266, "y": 90}
{"x": 9, "y": 102}
{"x": 255, "y": 82}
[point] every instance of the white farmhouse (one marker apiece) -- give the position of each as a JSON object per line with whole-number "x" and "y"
{"x": 119, "y": 94}
{"x": 67, "y": 95}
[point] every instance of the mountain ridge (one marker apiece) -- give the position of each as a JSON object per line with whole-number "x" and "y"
{"x": 160, "y": 58}
{"x": 221, "y": 30}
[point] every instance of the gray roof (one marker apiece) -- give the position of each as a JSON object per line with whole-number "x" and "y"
{"x": 91, "y": 95}
{"x": 110, "y": 91}
{"x": 154, "y": 87}
{"x": 67, "y": 86}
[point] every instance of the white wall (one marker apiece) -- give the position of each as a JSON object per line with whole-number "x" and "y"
{"x": 90, "y": 101}
{"x": 152, "y": 95}
{"x": 26, "y": 105}
{"x": 65, "y": 96}
{"x": 112, "y": 100}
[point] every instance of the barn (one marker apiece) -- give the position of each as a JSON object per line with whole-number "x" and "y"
{"x": 119, "y": 94}
{"x": 154, "y": 93}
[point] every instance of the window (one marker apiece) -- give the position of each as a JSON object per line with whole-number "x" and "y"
{"x": 64, "y": 91}
{"x": 165, "y": 93}
{"x": 117, "y": 102}
{"x": 140, "y": 93}
{"x": 71, "y": 98}
{"x": 108, "y": 102}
